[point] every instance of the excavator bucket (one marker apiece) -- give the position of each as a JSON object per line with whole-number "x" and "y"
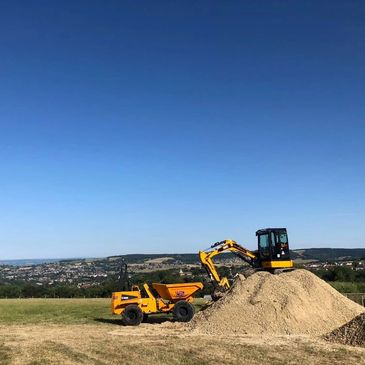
{"x": 175, "y": 292}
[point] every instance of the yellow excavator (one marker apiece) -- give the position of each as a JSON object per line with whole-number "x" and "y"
{"x": 272, "y": 255}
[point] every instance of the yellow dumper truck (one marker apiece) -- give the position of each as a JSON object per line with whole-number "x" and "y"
{"x": 134, "y": 306}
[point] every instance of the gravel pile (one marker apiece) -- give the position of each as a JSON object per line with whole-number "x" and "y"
{"x": 295, "y": 302}
{"x": 351, "y": 333}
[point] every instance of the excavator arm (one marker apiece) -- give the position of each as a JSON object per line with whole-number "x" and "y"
{"x": 206, "y": 259}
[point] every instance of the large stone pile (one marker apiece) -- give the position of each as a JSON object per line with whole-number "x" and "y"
{"x": 296, "y": 302}
{"x": 351, "y": 333}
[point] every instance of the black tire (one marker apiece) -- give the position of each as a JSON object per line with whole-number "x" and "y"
{"x": 145, "y": 318}
{"x": 132, "y": 315}
{"x": 183, "y": 311}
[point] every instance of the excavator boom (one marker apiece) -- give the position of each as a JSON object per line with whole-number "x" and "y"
{"x": 272, "y": 255}
{"x": 206, "y": 259}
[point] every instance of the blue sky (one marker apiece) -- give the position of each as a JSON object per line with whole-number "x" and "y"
{"x": 140, "y": 126}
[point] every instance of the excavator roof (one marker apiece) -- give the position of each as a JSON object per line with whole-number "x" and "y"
{"x": 268, "y": 230}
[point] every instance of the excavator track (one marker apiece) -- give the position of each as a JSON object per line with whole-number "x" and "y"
{"x": 250, "y": 271}
{"x": 281, "y": 271}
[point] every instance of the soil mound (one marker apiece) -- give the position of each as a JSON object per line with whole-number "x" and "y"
{"x": 351, "y": 333}
{"x": 296, "y": 302}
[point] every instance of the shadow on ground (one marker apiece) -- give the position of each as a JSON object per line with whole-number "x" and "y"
{"x": 109, "y": 321}
{"x": 151, "y": 320}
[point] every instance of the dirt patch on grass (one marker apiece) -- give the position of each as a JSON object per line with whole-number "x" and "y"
{"x": 102, "y": 344}
{"x": 5, "y": 354}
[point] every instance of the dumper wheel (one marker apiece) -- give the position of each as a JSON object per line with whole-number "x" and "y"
{"x": 132, "y": 315}
{"x": 183, "y": 311}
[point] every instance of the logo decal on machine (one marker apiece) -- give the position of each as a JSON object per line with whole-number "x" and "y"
{"x": 127, "y": 297}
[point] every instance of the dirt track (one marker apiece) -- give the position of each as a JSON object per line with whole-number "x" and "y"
{"x": 165, "y": 343}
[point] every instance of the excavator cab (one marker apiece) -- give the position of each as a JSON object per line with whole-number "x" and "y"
{"x": 273, "y": 248}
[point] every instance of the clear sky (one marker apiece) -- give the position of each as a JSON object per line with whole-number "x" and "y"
{"x": 163, "y": 126}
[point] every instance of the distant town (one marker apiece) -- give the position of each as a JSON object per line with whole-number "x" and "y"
{"x": 86, "y": 273}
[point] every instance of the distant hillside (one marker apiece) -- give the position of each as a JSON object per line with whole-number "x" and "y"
{"x": 329, "y": 254}
{"x": 186, "y": 258}
{"x": 313, "y": 254}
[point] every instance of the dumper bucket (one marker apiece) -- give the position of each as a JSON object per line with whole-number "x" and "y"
{"x": 177, "y": 291}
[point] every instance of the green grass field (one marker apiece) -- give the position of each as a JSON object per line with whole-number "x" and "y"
{"x": 348, "y": 287}
{"x": 65, "y": 311}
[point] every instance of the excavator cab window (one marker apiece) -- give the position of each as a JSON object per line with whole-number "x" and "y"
{"x": 279, "y": 245}
{"x": 273, "y": 244}
{"x": 264, "y": 246}
{"x": 282, "y": 245}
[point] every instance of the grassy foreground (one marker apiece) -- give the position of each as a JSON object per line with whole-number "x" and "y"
{"x": 43, "y": 311}
{"x": 62, "y": 311}
{"x": 82, "y": 331}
